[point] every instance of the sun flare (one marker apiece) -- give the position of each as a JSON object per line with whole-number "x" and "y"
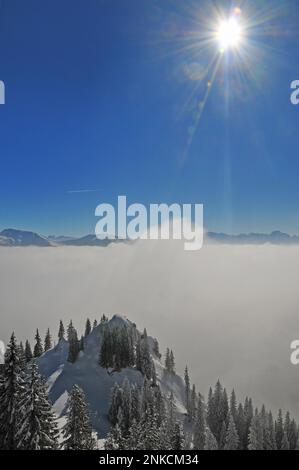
{"x": 229, "y": 34}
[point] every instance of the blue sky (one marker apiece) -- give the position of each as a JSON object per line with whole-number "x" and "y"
{"x": 97, "y": 97}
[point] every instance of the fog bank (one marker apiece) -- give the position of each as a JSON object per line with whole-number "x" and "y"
{"x": 227, "y": 311}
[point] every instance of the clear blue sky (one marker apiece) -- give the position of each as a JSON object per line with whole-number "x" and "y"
{"x": 97, "y": 98}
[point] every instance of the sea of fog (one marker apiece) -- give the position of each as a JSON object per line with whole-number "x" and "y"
{"x": 229, "y": 312}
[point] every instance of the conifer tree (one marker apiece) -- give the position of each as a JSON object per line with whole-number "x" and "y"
{"x": 199, "y": 426}
{"x": 279, "y": 430}
{"x": 231, "y": 438}
{"x": 95, "y": 324}
{"x": 12, "y": 389}
{"x": 74, "y": 345}
{"x": 187, "y": 391}
{"x": 48, "y": 341}
{"x": 193, "y": 403}
{"x": 269, "y": 433}
{"x": 77, "y": 431}
{"x": 172, "y": 362}
{"x": 285, "y": 445}
{"x": 210, "y": 440}
{"x": 256, "y": 434}
{"x": 38, "y": 348}
{"x": 87, "y": 327}
{"x": 61, "y": 331}
{"x": 233, "y": 406}
{"x": 23, "y": 360}
{"x": 28, "y": 352}
{"x": 293, "y": 435}
{"x": 146, "y": 361}
{"x": 241, "y": 427}
{"x": 217, "y": 412}
{"x": 178, "y": 438}
{"x": 167, "y": 360}
{"x": 70, "y": 331}
{"x": 38, "y": 427}
{"x": 248, "y": 415}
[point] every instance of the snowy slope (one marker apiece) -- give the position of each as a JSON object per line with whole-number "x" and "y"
{"x": 13, "y": 237}
{"x": 96, "y": 382}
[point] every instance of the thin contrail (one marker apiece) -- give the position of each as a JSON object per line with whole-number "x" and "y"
{"x": 72, "y": 191}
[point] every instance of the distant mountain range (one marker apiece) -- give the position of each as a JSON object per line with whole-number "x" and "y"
{"x": 12, "y": 237}
{"x": 275, "y": 238}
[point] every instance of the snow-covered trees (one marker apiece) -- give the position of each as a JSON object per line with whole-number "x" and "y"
{"x": 217, "y": 413}
{"x": 37, "y": 427}
{"x": 77, "y": 431}
{"x": 141, "y": 416}
{"x": 117, "y": 349}
{"x": 26, "y": 418}
{"x": 231, "y": 438}
{"x": 143, "y": 420}
{"x": 210, "y": 440}
{"x": 169, "y": 361}
{"x": 12, "y": 388}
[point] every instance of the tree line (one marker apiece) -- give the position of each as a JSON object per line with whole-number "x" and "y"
{"x": 141, "y": 416}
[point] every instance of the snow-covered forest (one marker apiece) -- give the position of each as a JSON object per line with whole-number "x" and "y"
{"x": 112, "y": 388}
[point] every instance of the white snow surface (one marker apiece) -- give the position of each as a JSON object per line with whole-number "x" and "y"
{"x": 96, "y": 382}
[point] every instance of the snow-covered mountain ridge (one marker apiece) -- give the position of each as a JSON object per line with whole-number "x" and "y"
{"x": 97, "y": 382}
{"x": 13, "y": 237}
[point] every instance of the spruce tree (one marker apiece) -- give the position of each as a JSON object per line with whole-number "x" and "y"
{"x": 28, "y": 351}
{"x": 146, "y": 361}
{"x": 61, "y": 331}
{"x": 187, "y": 391}
{"x": 74, "y": 345}
{"x": 38, "y": 427}
{"x": 269, "y": 433}
{"x": 210, "y": 440}
{"x": 233, "y": 406}
{"x": 12, "y": 389}
{"x": 38, "y": 348}
{"x": 167, "y": 360}
{"x": 77, "y": 431}
{"x": 293, "y": 435}
{"x": 279, "y": 430}
{"x": 241, "y": 427}
{"x": 172, "y": 362}
{"x": 256, "y": 434}
{"x": 193, "y": 403}
{"x": 285, "y": 445}
{"x": 199, "y": 426}
{"x": 48, "y": 341}
{"x": 87, "y": 327}
{"x": 231, "y": 438}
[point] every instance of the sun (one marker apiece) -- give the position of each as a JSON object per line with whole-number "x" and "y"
{"x": 229, "y": 34}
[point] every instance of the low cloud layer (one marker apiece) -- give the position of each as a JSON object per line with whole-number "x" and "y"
{"x": 228, "y": 311}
